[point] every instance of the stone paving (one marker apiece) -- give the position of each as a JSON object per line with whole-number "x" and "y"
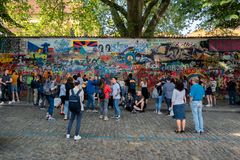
{"x": 25, "y": 134}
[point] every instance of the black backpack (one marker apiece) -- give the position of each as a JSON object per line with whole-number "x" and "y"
{"x": 101, "y": 93}
{"x": 74, "y": 102}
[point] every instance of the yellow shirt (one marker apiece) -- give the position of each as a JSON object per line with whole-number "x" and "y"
{"x": 14, "y": 79}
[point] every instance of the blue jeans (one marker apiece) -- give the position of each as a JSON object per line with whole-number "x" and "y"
{"x": 158, "y": 103}
{"x": 232, "y": 97}
{"x": 104, "y": 107}
{"x": 196, "y": 107}
{"x": 66, "y": 108}
{"x": 91, "y": 101}
{"x": 78, "y": 124}
{"x": 168, "y": 102}
{"x": 51, "y": 104}
{"x": 116, "y": 107}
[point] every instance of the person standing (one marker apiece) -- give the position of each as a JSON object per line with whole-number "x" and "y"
{"x": 68, "y": 86}
{"x": 131, "y": 83}
{"x": 50, "y": 89}
{"x": 178, "y": 106}
{"x": 159, "y": 98}
{"x": 208, "y": 93}
{"x": 168, "y": 88}
{"x": 232, "y": 91}
{"x": 6, "y": 82}
{"x": 20, "y": 84}
{"x": 213, "y": 83}
{"x": 62, "y": 95}
{"x": 35, "y": 86}
{"x": 145, "y": 92}
{"x": 90, "y": 89}
{"x": 76, "y": 108}
{"x": 14, "y": 87}
{"x": 116, "y": 98}
{"x": 196, "y": 96}
{"x": 104, "y": 92}
{"x": 29, "y": 89}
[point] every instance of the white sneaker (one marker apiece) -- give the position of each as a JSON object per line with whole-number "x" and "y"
{"x": 1, "y": 103}
{"x": 47, "y": 116}
{"x": 13, "y": 101}
{"x": 68, "y": 136}
{"x": 50, "y": 118}
{"x": 101, "y": 117}
{"x": 76, "y": 138}
{"x": 159, "y": 113}
{"x": 94, "y": 111}
{"x": 65, "y": 117}
{"x": 9, "y": 102}
{"x": 105, "y": 119}
{"x": 208, "y": 105}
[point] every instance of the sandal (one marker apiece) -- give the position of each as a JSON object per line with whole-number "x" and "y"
{"x": 182, "y": 131}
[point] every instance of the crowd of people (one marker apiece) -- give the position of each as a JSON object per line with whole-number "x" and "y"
{"x": 76, "y": 93}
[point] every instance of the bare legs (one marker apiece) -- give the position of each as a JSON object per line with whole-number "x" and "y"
{"x": 13, "y": 96}
{"x": 141, "y": 107}
{"x": 181, "y": 124}
{"x": 209, "y": 100}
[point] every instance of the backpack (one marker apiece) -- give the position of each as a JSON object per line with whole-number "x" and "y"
{"x": 132, "y": 84}
{"x": 121, "y": 92}
{"x": 74, "y": 101}
{"x": 101, "y": 93}
{"x": 155, "y": 93}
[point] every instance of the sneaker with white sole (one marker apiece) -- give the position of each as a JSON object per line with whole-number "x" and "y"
{"x": 50, "y": 118}
{"x": 76, "y": 138}
{"x": 68, "y": 136}
{"x": 105, "y": 119}
{"x": 9, "y": 102}
{"x": 47, "y": 116}
{"x": 159, "y": 113}
{"x": 94, "y": 111}
{"x": 1, "y": 103}
{"x": 101, "y": 117}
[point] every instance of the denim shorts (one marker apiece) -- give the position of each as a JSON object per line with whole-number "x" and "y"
{"x": 14, "y": 88}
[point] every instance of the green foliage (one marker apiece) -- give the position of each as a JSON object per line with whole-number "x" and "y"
{"x": 95, "y": 18}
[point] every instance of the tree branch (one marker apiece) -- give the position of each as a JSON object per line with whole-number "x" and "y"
{"x": 148, "y": 10}
{"x": 118, "y": 21}
{"x": 149, "y": 32}
{"x": 116, "y": 7}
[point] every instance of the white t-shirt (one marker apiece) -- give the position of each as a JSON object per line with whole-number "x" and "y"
{"x": 213, "y": 85}
{"x": 178, "y": 97}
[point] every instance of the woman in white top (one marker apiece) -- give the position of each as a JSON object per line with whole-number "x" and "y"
{"x": 178, "y": 105}
{"x": 62, "y": 95}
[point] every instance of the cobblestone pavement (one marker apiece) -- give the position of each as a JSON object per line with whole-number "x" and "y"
{"x": 25, "y": 134}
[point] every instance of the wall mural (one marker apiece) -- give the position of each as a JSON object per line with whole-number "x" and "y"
{"x": 109, "y": 57}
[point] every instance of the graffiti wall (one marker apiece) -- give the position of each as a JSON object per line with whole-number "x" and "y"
{"x": 146, "y": 58}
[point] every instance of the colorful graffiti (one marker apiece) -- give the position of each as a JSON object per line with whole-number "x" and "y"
{"x": 109, "y": 57}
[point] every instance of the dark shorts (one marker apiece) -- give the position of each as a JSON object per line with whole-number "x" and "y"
{"x": 179, "y": 112}
{"x": 63, "y": 99}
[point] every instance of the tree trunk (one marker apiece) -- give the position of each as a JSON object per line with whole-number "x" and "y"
{"x": 134, "y": 18}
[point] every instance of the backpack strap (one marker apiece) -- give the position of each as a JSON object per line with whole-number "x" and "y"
{"x": 79, "y": 92}
{"x": 72, "y": 92}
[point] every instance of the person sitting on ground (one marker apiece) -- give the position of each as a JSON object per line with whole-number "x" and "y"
{"x": 139, "y": 102}
{"x": 129, "y": 103}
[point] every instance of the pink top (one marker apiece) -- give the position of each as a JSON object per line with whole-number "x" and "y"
{"x": 107, "y": 90}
